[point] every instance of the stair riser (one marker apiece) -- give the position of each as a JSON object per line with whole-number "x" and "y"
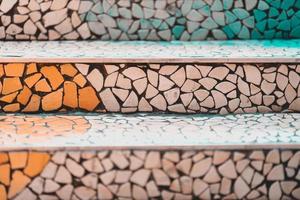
{"x": 138, "y": 174}
{"x": 149, "y": 20}
{"x": 183, "y": 88}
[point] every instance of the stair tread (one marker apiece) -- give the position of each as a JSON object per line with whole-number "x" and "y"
{"x": 266, "y": 51}
{"x": 81, "y": 131}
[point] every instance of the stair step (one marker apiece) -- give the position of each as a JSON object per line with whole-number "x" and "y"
{"x": 109, "y": 156}
{"x": 149, "y": 20}
{"x": 182, "y": 77}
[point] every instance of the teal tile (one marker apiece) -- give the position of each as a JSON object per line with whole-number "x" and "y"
{"x": 227, "y": 4}
{"x": 270, "y": 34}
{"x": 235, "y": 27}
{"x": 275, "y": 3}
{"x": 290, "y": 12}
{"x": 198, "y": 4}
{"x": 282, "y": 16}
{"x": 297, "y": 4}
{"x": 199, "y": 34}
{"x": 91, "y": 17}
{"x": 217, "y": 6}
{"x": 249, "y": 22}
{"x": 171, "y": 21}
{"x": 259, "y": 15}
{"x": 295, "y": 21}
{"x": 177, "y": 31}
{"x": 295, "y": 32}
{"x": 273, "y": 12}
{"x": 272, "y": 23}
{"x": 240, "y": 13}
{"x": 181, "y": 20}
{"x": 147, "y": 24}
{"x": 228, "y": 32}
{"x": 287, "y": 4}
{"x": 209, "y": 23}
{"x": 205, "y": 10}
{"x": 284, "y": 25}
{"x": 262, "y": 5}
{"x": 244, "y": 33}
{"x": 230, "y": 17}
{"x": 163, "y": 26}
{"x": 256, "y": 35}
{"x": 261, "y": 25}
{"x": 155, "y": 22}
{"x": 278, "y": 34}
{"x": 297, "y": 14}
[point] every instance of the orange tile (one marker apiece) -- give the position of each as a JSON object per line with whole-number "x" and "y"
{"x": 11, "y": 85}
{"x": 70, "y": 94}
{"x": 18, "y": 160}
{"x": 31, "y": 68}
{"x": 42, "y": 86}
{"x": 36, "y": 163}
{"x": 33, "y": 105}
{"x": 68, "y": 69}
{"x": 14, "y": 69}
{"x": 88, "y": 99}
{"x": 3, "y": 194}
{"x": 3, "y": 158}
{"x": 80, "y": 80}
{"x": 24, "y": 96}
{"x": 31, "y": 80}
{"x": 1, "y": 70}
{"x": 52, "y": 101}
{"x": 12, "y": 107}
{"x": 18, "y": 183}
{"x": 5, "y": 174}
{"x": 9, "y": 98}
{"x": 53, "y": 75}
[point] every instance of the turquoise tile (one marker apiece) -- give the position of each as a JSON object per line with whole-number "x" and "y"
{"x": 227, "y": 4}
{"x": 295, "y": 32}
{"x": 256, "y": 35}
{"x": 261, "y": 25}
{"x": 272, "y": 23}
{"x": 205, "y": 10}
{"x": 290, "y": 12}
{"x": 295, "y": 21}
{"x": 297, "y": 4}
{"x": 155, "y": 22}
{"x": 235, "y": 27}
{"x": 217, "y": 6}
{"x": 282, "y": 16}
{"x": 263, "y": 5}
{"x": 273, "y": 12}
{"x": 171, "y": 21}
{"x": 275, "y": 3}
{"x": 163, "y": 26}
{"x": 259, "y": 15}
{"x": 198, "y": 4}
{"x": 240, "y": 13}
{"x": 287, "y": 4}
{"x": 91, "y": 17}
{"x": 270, "y": 34}
{"x": 244, "y": 33}
{"x": 284, "y": 25}
{"x": 228, "y": 32}
{"x": 230, "y": 17}
{"x": 249, "y": 22}
{"x": 181, "y": 20}
{"x": 177, "y": 31}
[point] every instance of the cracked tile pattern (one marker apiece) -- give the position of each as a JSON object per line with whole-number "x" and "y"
{"x": 149, "y": 19}
{"x": 139, "y": 174}
{"x": 81, "y": 131}
{"x": 180, "y": 88}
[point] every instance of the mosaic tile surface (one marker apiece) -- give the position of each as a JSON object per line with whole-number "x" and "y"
{"x": 108, "y": 131}
{"x": 149, "y": 19}
{"x": 182, "y": 88}
{"x": 255, "y": 51}
{"x": 83, "y": 175}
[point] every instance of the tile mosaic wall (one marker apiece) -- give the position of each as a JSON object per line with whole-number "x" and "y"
{"x": 149, "y": 19}
{"x": 183, "y": 88}
{"x": 137, "y": 174}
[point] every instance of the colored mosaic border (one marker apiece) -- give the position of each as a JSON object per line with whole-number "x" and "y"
{"x": 138, "y": 174}
{"x": 149, "y": 19}
{"x": 182, "y": 88}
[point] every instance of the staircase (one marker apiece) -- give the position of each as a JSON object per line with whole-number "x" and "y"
{"x": 209, "y": 115}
